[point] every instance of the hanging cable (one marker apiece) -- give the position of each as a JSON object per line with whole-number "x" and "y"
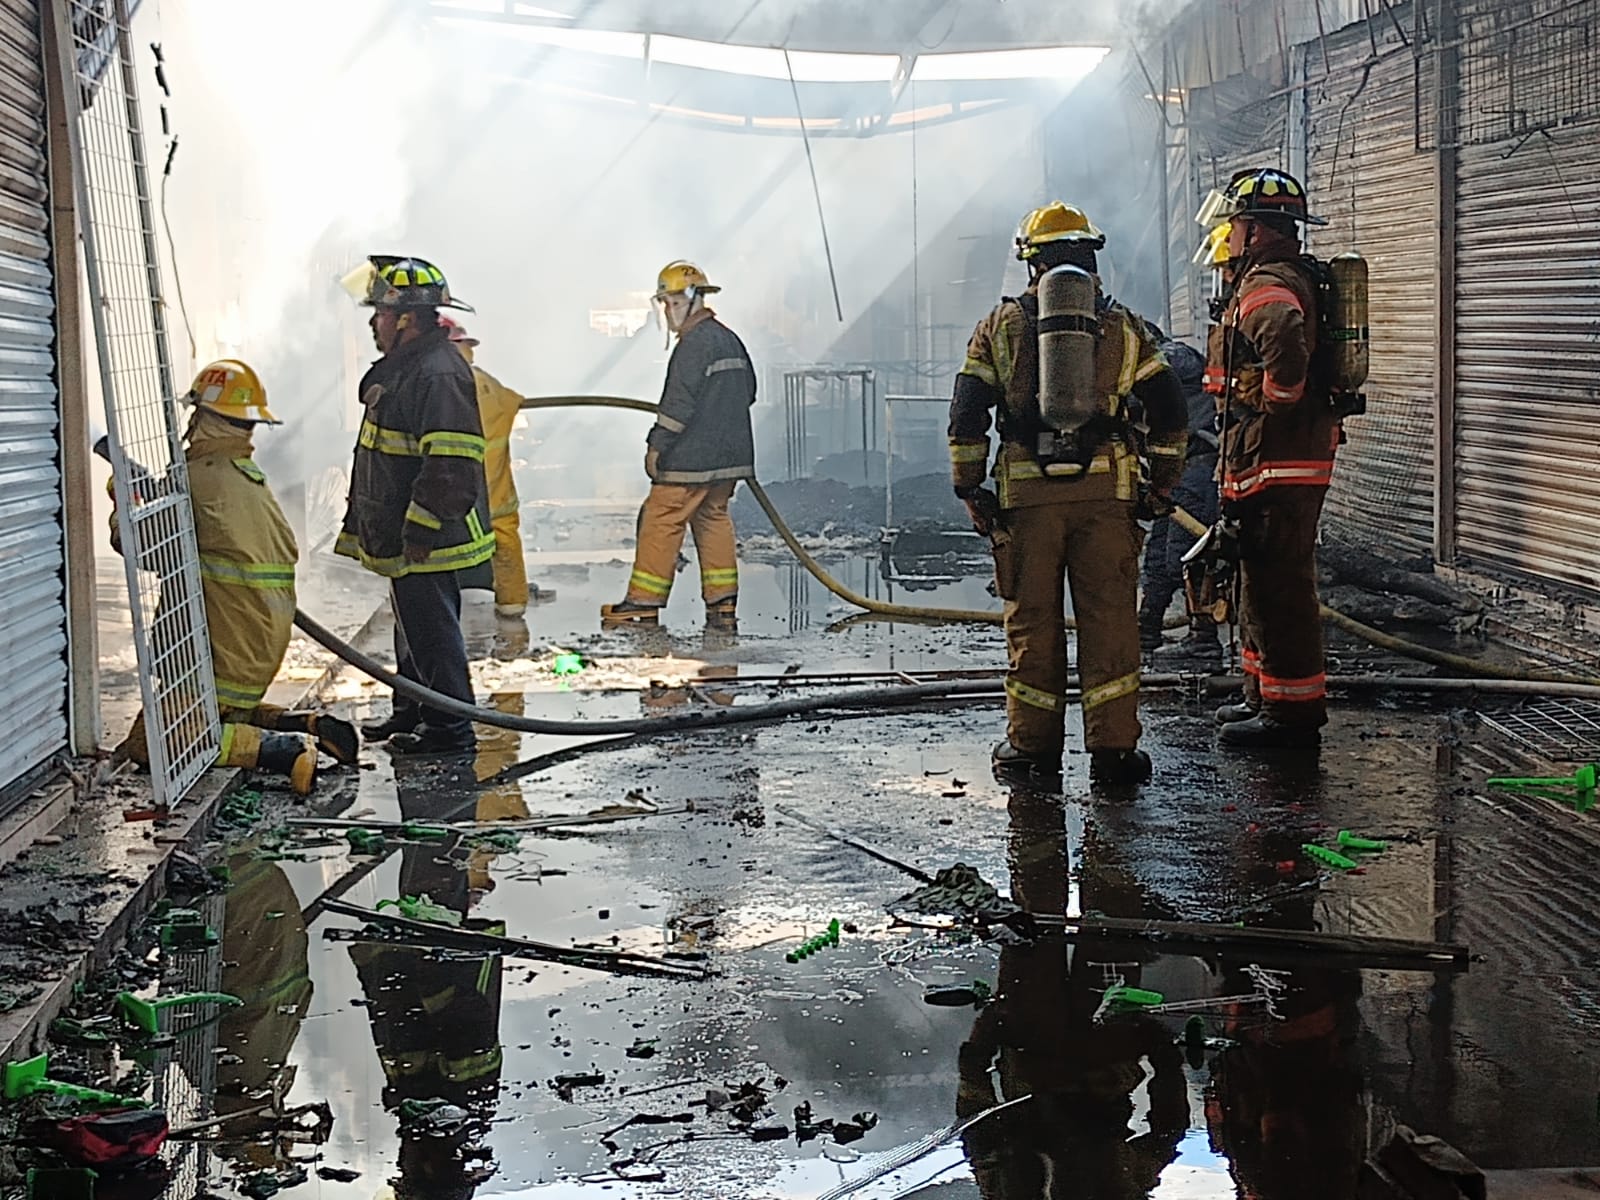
{"x": 166, "y": 174}
{"x": 805, "y": 140}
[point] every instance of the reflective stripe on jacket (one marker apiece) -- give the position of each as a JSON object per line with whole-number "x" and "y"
{"x": 1003, "y": 355}
{"x": 247, "y": 567}
{"x": 702, "y": 429}
{"x": 1280, "y": 430}
{"x": 498, "y": 407}
{"x": 417, "y": 478}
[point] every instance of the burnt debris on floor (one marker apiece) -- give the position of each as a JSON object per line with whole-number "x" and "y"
{"x": 835, "y": 957}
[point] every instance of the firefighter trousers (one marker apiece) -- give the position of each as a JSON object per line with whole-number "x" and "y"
{"x": 510, "y": 569}
{"x": 1280, "y": 621}
{"x": 428, "y": 646}
{"x": 668, "y": 510}
{"x": 1091, "y": 546}
{"x": 240, "y": 744}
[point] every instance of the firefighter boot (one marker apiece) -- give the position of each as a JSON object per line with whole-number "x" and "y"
{"x": 1241, "y": 710}
{"x": 335, "y": 738}
{"x": 1150, "y": 624}
{"x": 1119, "y": 766}
{"x": 723, "y": 614}
{"x": 1010, "y": 762}
{"x": 401, "y": 720}
{"x": 630, "y": 611}
{"x": 1261, "y": 732}
{"x": 1200, "y": 650}
{"x": 291, "y": 754}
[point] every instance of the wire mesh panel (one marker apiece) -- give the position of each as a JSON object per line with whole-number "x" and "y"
{"x": 1557, "y": 730}
{"x": 151, "y": 485}
{"x": 1500, "y": 70}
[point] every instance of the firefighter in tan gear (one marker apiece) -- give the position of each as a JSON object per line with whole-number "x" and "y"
{"x": 247, "y": 568}
{"x": 498, "y": 407}
{"x": 1280, "y": 432}
{"x": 699, "y": 448}
{"x": 1069, "y": 502}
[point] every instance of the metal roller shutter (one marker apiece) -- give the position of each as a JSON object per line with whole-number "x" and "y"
{"x": 1528, "y": 355}
{"x": 1365, "y": 175}
{"x": 33, "y": 619}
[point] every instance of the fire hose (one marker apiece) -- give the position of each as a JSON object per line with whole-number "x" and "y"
{"x": 1493, "y": 679}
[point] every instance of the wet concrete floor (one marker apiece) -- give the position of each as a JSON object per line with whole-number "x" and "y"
{"x": 1282, "y": 1103}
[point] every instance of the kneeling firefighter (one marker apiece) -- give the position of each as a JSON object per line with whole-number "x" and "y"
{"x": 1288, "y": 360}
{"x": 247, "y": 567}
{"x": 1059, "y": 365}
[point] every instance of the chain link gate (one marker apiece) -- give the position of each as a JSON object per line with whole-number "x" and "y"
{"x": 150, "y": 476}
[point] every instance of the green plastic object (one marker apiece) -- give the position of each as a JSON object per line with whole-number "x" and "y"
{"x": 1349, "y": 841}
{"x": 1577, "y": 789}
{"x": 1329, "y": 858}
{"x": 186, "y": 929}
{"x": 28, "y": 1077}
{"x": 1133, "y": 997}
{"x": 422, "y": 908}
{"x": 500, "y": 841}
{"x": 365, "y": 841}
{"x": 829, "y": 937}
{"x": 568, "y": 664}
{"x": 146, "y": 1013}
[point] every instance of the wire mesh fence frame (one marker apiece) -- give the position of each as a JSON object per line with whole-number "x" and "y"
{"x": 149, "y": 474}
{"x": 1496, "y": 72}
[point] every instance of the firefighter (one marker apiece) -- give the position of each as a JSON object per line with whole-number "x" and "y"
{"x": 498, "y": 407}
{"x": 1279, "y": 436}
{"x": 699, "y": 448}
{"x": 418, "y": 509}
{"x": 1069, "y": 499}
{"x": 247, "y": 558}
{"x": 1169, "y": 541}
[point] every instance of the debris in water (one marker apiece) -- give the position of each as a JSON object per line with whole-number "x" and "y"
{"x": 338, "y": 1174}
{"x": 563, "y": 1084}
{"x": 432, "y": 1118}
{"x": 965, "y": 995}
{"x": 642, "y": 1048}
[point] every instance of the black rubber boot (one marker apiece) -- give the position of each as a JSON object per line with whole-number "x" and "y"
{"x": 1119, "y": 766}
{"x": 1150, "y": 624}
{"x": 402, "y": 720}
{"x": 1008, "y": 760}
{"x": 1261, "y": 732}
{"x": 291, "y": 754}
{"x": 335, "y": 737}
{"x": 1239, "y": 711}
{"x": 425, "y": 739}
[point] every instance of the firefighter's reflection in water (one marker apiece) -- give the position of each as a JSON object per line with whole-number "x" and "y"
{"x": 1109, "y": 1100}
{"x": 265, "y": 965}
{"x": 436, "y": 1015}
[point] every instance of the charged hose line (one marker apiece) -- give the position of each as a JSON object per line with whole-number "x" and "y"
{"x": 971, "y": 616}
{"x": 866, "y": 701}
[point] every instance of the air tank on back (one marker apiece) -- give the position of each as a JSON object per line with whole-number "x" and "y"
{"x": 1348, "y": 322}
{"x": 1067, "y": 335}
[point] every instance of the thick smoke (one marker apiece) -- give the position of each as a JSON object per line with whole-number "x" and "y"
{"x": 390, "y": 131}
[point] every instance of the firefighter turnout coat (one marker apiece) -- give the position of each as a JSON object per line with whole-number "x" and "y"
{"x": 417, "y": 478}
{"x": 702, "y": 431}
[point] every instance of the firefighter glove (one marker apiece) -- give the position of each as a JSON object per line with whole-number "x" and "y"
{"x": 983, "y": 507}
{"x": 1153, "y": 506}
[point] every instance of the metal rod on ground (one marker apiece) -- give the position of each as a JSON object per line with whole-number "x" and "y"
{"x": 856, "y": 843}
{"x": 618, "y": 962}
{"x": 1420, "y": 955}
{"x": 531, "y": 825}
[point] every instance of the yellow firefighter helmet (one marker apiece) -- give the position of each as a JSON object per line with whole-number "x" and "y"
{"x": 1056, "y": 222}
{"x": 1213, "y": 250}
{"x": 231, "y": 389}
{"x": 681, "y": 275}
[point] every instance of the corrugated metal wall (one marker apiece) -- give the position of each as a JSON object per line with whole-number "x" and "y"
{"x": 33, "y": 619}
{"x": 1528, "y": 355}
{"x": 1365, "y": 176}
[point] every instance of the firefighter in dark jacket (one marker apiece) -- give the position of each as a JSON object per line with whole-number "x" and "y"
{"x": 1279, "y": 436}
{"x": 418, "y": 510}
{"x": 699, "y": 448}
{"x": 1069, "y": 499}
{"x": 1169, "y": 541}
